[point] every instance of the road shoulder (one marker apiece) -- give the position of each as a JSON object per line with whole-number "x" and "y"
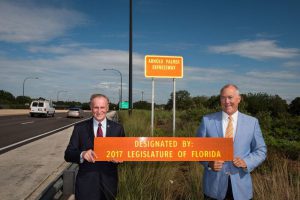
{"x": 29, "y": 169}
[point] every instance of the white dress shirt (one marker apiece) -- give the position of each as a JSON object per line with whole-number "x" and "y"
{"x": 103, "y": 126}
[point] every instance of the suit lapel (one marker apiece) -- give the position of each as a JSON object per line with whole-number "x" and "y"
{"x": 218, "y": 123}
{"x": 108, "y": 128}
{"x": 90, "y": 129}
{"x": 238, "y": 126}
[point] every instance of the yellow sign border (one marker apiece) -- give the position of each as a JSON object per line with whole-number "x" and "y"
{"x": 148, "y": 76}
{"x": 163, "y": 149}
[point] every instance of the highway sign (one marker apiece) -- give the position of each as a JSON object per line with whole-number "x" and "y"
{"x": 163, "y": 66}
{"x": 124, "y": 105}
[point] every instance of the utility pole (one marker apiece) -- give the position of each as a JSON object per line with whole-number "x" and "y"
{"x": 130, "y": 61}
{"x": 120, "y": 99}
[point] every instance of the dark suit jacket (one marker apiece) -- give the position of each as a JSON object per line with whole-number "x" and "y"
{"x": 97, "y": 180}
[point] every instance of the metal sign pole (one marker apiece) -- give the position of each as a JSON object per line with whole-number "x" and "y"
{"x": 163, "y": 67}
{"x": 174, "y": 107}
{"x": 152, "y": 109}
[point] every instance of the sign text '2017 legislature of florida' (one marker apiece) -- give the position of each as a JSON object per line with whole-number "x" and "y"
{"x": 163, "y": 149}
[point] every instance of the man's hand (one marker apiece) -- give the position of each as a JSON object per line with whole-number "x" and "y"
{"x": 238, "y": 162}
{"x": 116, "y": 161}
{"x": 89, "y": 155}
{"x": 216, "y": 165}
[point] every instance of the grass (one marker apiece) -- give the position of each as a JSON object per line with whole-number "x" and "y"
{"x": 277, "y": 178}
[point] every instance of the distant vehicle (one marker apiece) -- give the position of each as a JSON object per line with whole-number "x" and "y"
{"x": 75, "y": 112}
{"x": 41, "y": 108}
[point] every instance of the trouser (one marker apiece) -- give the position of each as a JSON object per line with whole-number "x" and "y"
{"x": 229, "y": 195}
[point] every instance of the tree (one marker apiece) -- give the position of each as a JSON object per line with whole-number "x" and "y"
{"x": 6, "y": 97}
{"x": 142, "y": 105}
{"x": 294, "y": 107}
{"x": 23, "y": 100}
{"x": 112, "y": 106}
{"x": 214, "y": 102}
{"x": 86, "y": 106}
{"x": 277, "y": 105}
{"x": 200, "y": 101}
{"x": 183, "y": 101}
{"x": 256, "y": 102}
{"x": 243, "y": 104}
{"x": 264, "y": 102}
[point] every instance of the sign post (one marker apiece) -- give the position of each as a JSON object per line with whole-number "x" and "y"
{"x": 152, "y": 108}
{"x": 174, "y": 107}
{"x": 163, "y": 67}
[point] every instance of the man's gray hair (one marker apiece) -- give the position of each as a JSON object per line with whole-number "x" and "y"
{"x": 93, "y": 96}
{"x": 230, "y": 85}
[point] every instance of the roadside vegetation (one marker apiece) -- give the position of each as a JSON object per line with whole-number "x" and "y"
{"x": 279, "y": 121}
{"x": 277, "y": 178}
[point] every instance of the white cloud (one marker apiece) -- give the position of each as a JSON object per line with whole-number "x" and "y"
{"x": 81, "y": 73}
{"x": 273, "y": 74}
{"x": 286, "y": 89}
{"x": 292, "y": 64}
{"x": 57, "y": 49}
{"x": 258, "y": 49}
{"x": 209, "y": 74}
{"x": 208, "y": 81}
{"x": 109, "y": 85}
{"x": 30, "y": 23}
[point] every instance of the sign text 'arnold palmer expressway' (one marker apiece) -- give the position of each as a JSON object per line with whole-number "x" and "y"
{"x": 163, "y": 66}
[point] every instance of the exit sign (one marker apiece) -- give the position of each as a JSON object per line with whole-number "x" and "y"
{"x": 124, "y": 105}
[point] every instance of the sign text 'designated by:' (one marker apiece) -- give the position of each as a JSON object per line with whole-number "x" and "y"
{"x": 163, "y": 66}
{"x": 163, "y": 149}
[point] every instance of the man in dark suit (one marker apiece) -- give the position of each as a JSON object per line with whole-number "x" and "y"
{"x": 232, "y": 180}
{"x": 95, "y": 180}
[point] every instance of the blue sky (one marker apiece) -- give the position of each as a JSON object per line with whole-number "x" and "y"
{"x": 67, "y": 44}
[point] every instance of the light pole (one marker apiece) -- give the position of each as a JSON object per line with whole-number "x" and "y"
{"x": 30, "y": 77}
{"x": 130, "y": 60}
{"x": 58, "y": 94}
{"x": 121, "y": 80}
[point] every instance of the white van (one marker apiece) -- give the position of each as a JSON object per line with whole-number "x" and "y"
{"x": 42, "y": 107}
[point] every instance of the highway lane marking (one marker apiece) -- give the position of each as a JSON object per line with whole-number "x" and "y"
{"x": 41, "y": 135}
{"x": 28, "y": 122}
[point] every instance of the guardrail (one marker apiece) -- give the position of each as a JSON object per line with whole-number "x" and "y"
{"x": 63, "y": 186}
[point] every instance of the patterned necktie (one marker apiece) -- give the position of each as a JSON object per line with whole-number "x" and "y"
{"x": 99, "y": 131}
{"x": 229, "y": 129}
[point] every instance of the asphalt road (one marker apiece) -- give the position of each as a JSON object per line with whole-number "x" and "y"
{"x": 17, "y": 128}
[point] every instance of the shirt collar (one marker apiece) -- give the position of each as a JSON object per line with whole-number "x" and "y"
{"x": 103, "y": 122}
{"x": 234, "y": 116}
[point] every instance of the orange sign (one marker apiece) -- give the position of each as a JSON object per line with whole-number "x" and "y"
{"x": 163, "y": 149}
{"x": 164, "y": 66}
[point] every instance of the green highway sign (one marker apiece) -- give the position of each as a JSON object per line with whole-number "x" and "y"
{"x": 124, "y": 105}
